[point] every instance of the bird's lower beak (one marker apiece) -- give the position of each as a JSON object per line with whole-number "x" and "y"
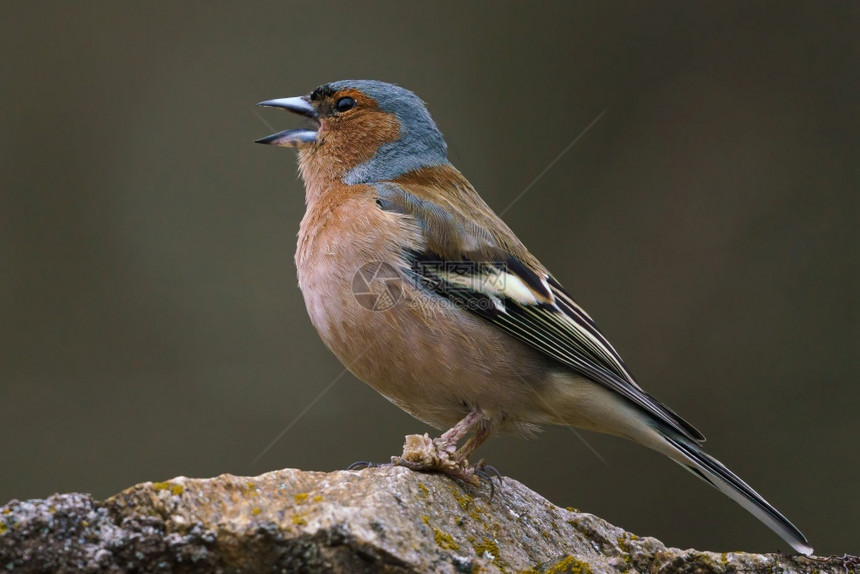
{"x": 292, "y": 138}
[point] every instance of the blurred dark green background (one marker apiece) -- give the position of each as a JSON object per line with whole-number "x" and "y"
{"x": 151, "y": 323}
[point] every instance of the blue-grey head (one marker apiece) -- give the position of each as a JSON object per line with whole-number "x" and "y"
{"x": 365, "y": 131}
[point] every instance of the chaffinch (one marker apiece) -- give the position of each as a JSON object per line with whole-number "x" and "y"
{"x": 424, "y": 293}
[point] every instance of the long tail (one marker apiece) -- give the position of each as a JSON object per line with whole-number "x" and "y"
{"x": 712, "y": 471}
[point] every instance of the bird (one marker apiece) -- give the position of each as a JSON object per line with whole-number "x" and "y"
{"x": 422, "y": 291}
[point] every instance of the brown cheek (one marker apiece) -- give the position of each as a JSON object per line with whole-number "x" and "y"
{"x": 353, "y": 142}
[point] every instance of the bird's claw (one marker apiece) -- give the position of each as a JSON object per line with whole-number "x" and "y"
{"x": 489, "y": 471}
{"x": 486, "y": 473}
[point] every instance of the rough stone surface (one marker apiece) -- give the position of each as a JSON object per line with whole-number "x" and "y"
{"x": 375, "y": 520}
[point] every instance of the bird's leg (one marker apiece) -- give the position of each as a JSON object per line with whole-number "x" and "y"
{"x": 479, "y": 471}
{"x": 473, "y": 443}
{"x": 449, "y": 439}
{"x": 420, "y": 452}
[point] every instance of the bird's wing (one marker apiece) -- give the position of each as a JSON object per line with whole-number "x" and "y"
{"x": 461, "y": 261}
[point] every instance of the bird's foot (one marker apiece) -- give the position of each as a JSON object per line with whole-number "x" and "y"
{"x": 422, "y": 453}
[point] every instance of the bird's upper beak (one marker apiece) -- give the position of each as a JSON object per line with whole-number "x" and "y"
{"x": 292, "y": 138}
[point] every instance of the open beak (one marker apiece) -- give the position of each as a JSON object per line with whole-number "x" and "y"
{"x": 292, "y": 138}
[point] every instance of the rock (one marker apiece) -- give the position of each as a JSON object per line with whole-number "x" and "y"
{"x": 375, "y": 520}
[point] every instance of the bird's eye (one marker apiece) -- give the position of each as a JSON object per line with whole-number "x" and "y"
{"x": 344, "y": 104}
